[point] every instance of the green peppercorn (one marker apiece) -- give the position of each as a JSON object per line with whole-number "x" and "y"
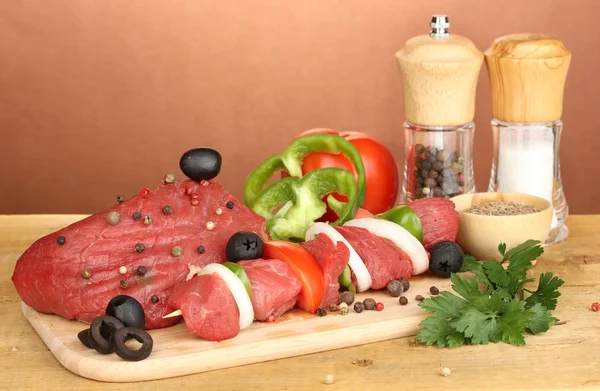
{"x": 167, "y": 210}
{"x": 229, "y": 205}
{"x": 124, "y": 284}
{"x": 137, "y": 215}
{"x": 344, "y": 310}
{"x": 405, "y": 284}
{"x": 176, "y": 251}
{"x": 120, "y": 198}
{"x": 141, "y": 270}
{"x": 113, "y": 218}
{"x": 347, "y": 297}
{"x": 395, "y": 288}
{"x": 403, "y": 300}
{"x": 369, "y": 304}
{"x": 140, "y": 247}
{"x": 61, "y": 240}
{"x": 359, "y": 307}
{"x": 321, "y": 311}
{"x": 86, "y": 274}
{"x": 154, "y": 299}
{"x": 148, "y": 220}
{"x": 201, "y": 249}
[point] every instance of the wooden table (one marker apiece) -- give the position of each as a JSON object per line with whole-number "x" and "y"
{"x": 567, "y": 357}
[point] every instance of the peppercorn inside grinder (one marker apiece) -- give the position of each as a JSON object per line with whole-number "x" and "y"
{"x": 527, "y": 74}
{"x": 439, "y": 76}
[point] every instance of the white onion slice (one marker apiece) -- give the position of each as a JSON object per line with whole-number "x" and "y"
{"x": 401, "y": 238}
{"x": 363, "y": 278}
{"x": 238, "y": 290}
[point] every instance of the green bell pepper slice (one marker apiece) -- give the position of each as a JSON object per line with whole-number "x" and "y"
{"x": 241, "y": 274}
{"x": 405, "y": 217}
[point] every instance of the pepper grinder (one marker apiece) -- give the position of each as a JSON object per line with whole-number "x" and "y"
{"x": 439, "y": 75}
{"x": 527, "y": 74}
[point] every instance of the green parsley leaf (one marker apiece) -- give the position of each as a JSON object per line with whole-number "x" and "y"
{"x": 514, "y": 320}
{"x": 445, "y": 305}
{"x": 437, "y": 330}
{"x": 502, "y": 249}
{"x": 547, "y": 291}
{"x": 541, "y": 320}
{"x": 470, "y": 264}
{"x": 478, "y": 326}
{"x": 520, "y": 258}
{"x": 496, "y": 273}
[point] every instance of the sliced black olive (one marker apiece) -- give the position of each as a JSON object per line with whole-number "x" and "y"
{"x": 128, "y": 310}
{"x": 125, "y": 334}
{"x": 446, "y": 258}
{"x": 200, "y": 164}
{"x": 84, "y": 337}
{"x": 102, "y": 333}
{"x": 244, "y": 245}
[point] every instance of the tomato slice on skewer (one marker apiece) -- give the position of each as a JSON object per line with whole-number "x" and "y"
{"x": 306, "y": 268}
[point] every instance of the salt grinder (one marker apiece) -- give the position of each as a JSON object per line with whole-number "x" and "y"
{"x": 439, "y": 76}
{"x": 527, "y": 74}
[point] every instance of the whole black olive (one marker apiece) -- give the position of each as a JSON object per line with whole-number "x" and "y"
{"x": 84, "y": 337}
{"x": 128, "y": 310}
{"x": 446, "y": 258}
{"x": 102, "y": 331}
{"x": 125, "y": 334}
{"x": 200, "y": 164}
{"x": 244, "y": 245}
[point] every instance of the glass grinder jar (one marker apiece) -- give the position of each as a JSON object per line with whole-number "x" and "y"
{"x": 439, "y": 77}
{"x": 527, "y": 74}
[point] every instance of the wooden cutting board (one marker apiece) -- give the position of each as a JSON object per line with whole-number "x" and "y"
{"x": 177, "y": 353}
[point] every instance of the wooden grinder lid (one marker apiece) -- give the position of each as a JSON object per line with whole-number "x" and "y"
{"x": 527, "y": 75}
{"x": 439, "y": 77}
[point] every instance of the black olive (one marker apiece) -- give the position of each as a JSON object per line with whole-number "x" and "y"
{"x": 244, "y": 245}
{"x": 125, "y": 334}
{"x": 446, "y": 258}
{"x": 84, "y": 337}
{"x": 128, "y": 310}
{"x": 201, "y": 164}
{"x": 102, "y": 333}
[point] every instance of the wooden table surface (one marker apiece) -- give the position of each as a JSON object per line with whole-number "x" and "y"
{"x": 567, "y": 357}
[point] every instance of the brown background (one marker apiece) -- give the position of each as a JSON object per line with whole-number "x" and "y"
{"x": 101, "y": 97}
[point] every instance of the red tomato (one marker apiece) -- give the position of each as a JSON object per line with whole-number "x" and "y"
{"x": 380, "y": 169}
{"x": 306, "y": 268}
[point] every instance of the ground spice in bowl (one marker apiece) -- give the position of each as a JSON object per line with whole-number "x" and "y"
{"x": 502, "y": 209}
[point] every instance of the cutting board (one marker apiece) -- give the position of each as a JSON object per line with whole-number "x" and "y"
{"x": 177, "y": 353}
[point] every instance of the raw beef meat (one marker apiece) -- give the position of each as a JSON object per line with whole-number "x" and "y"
{"x": 275, "y": 287}
{"x": 383, "y": 259}
{"x": 48, "y": 276}
{"x": 333, "y": 259}
{"x": 438, "y": 219}
{"x": 208, "y": 307}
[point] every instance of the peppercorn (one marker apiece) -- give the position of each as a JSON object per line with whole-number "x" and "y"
{"x": 419, "y": 298}
{"x": 369, "y": 304}
{"x": 120, "y": 198}
{"x": 141, "y": 270}
{"x": 423, "y": 156}
{"x": 148, "y": 220}
{"x": 461, "y": 179}
{"x": 426, "y": 190}
{"x": 124, "y": 284}
{"x": 424, "y": 173}
{"x": 457, "y": 168}
{"x": 154, "y": 299}
{"x": 333, "y": 307}
{"x": 403, "y": 300}
{"x": 437, "y": 191}
{"x": 434, "y": 290}
{"x": 201, "y": 249}
{"x": 359, "y": 307}
{"x": 167, "y": 210}
{"x": 169, "y": 178}
{"x": 140, "y": 247}
{"x": 344, "y": 309}
{"x": 123, "y": 270}
{"x": 426, "y": 165}
{"x": 445, "y": 372}
{"x": 432, "y": 159}
{"x": 61, "y": 240}
{"x": 379, "y": 306}
{"x": 229, "y": 205}
{"x": 395, "y": 288}
{"x": 420, "y": 181}
{"x": 430, "y": 182}
{"x": 596, "y": 307}
{"x": 137, "y": 215}
{"x": 321, "y": 311}
{"x": 210, "y": 225}
{"x": 145, "y": 192}
{"x": 176, "y": 251}
{"x": 419, "y": 148}
{"x": 86, "y": 274}
{"x": 433, "y": 174}
{"x": 405, "y": 284}
{"x": 347, "y": 297}
{"x": 113, "y": 218}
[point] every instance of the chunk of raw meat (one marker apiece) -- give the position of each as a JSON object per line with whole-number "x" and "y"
{"x": 48, "y": 276}
{"x": 275, "y": 287}
{"x": 207, "y": 306}
{"x": 439, "y": 220}
{"x": 383, "y": 259}
{"x": 333, "y": 258}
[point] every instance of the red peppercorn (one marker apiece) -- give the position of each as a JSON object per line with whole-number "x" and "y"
{"x": 423, "y": 156}
{"x": 596, "y": 307}
{"x": 145, "y": 192}
{"x": 379, "y": 306}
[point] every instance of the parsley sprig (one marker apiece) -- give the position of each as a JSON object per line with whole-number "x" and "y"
{"x": 491, "y": 306}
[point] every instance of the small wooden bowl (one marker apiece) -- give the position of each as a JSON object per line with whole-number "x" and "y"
{"x": 480, "y": 235}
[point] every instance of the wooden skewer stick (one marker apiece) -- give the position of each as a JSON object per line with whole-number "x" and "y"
{"x": 173, "y": 314}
